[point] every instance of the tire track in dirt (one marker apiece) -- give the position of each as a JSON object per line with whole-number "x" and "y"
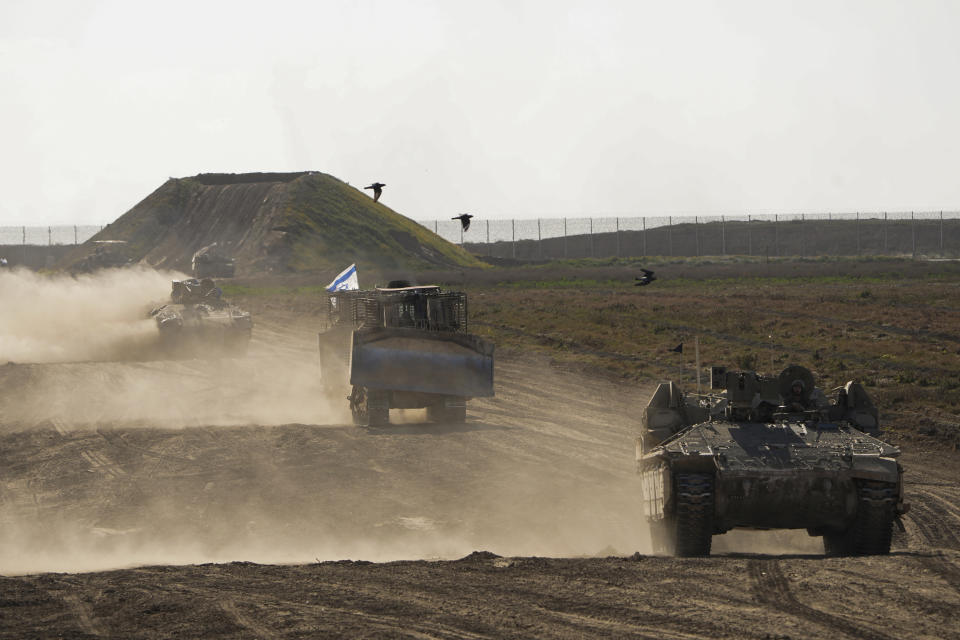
{"x": 82, "y": 612}
{"x": 926, "y": 514}
{"x": 773, "y": 590}
{"x": 229, "y": 607}
{"x": 944, "y": 567}
{"x": 583, "y": 625}
{"x": 589, "y": 625}
{"x": 418, "y": 629}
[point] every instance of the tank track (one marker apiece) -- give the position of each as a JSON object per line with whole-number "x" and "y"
{"x": 872, "y": 529}
{"x": 693, "y": 516}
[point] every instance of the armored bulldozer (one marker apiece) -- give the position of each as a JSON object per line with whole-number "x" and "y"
{"x": 403, "y": 347}
{"x": 211, "y": 262}
{"x": 197, "y": 322}
{"x": 768, "y": 452}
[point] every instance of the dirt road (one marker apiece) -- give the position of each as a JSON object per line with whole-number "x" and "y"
{"x": 181, "y": 464}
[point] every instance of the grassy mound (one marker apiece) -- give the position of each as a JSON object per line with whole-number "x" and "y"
{"x": 270, "y": 223}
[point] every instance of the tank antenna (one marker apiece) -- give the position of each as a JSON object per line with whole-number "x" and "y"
{"x": 696, "y": 349}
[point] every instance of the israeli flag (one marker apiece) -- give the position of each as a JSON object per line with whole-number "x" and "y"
{"x": 346, "y": 280}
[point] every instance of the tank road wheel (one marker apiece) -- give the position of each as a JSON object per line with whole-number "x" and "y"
{"x": 872, "y": 529}
{"x": 692, "y": 521}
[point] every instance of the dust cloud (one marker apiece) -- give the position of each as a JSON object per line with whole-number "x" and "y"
{"x": 133, "y": 462}
{"x": 81, "y": 352}
{"x": 62, "y": 318}
{"x": 267, "y": 504}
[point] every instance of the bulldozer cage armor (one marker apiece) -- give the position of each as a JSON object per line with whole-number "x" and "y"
{"x": 423, "y": 308}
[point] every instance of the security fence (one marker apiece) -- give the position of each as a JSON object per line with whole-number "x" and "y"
{"x": 935, "y": 234}
{"x": 51, "y": 235}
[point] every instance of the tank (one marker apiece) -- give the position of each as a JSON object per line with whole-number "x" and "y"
{"x": 403, "y": 347}
{"x": 768, "y": 452}
{"x": 211, "y": 262}
{"x": 197, "y": 322}
{"x": 107, "y": 254}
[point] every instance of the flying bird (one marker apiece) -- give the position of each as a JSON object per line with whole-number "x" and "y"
{"x": 464, "y": 219}
{"x": 377, "y": 190}
{"x": 645, "y": 279}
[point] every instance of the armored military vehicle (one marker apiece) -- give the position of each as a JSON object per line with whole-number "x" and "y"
{"x": 763, "y": 452}
{"x": 212, "y": 262}
{"x": 107, "y": 254}
{"x": 197, "y": 322}
{"x": 403, "y": 347}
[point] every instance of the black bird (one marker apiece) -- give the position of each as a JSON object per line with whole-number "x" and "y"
{"x": 645, "y": 279}
{"x": 464, "y": 219}
{"x": 377, "y": 190}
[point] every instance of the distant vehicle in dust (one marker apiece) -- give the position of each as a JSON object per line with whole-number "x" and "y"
{"x": 197, "y": 322}
{"x": 403, "y": 347}
{"x": 212, "y": 262}
{"x": 107, "y": 254}
{"x": 768, "y": 452}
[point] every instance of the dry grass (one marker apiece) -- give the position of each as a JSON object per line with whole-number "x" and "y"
{"x": 892, "y": 324}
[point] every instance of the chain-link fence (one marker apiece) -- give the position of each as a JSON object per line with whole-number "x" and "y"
{"x": 935, "y": 234}
{"x": 39, "y": 236}
{"x": 912, "y": 233}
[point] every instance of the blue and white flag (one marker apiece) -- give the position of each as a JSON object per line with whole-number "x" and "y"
{"x": 346, "y": 280}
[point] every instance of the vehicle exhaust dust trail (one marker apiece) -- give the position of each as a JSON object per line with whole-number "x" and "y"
{"x": 298, "y": 494}
{"x": 64, "y": 318}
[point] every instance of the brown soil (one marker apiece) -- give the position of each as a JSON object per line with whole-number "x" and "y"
{"x": 171, "y": 466}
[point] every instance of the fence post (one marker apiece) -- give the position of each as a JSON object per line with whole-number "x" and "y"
{"x": 803, "y": 225}
{"x": 618, "y": 233}
{"x": 75, "y": 235}
{"x": 591, "y": 237}
{"x": 489, "y": 250}
{"x": 723, "y": 236}
{"x": 696, "y": 236}
{"x": 670, "y": 234}
{"x": 884, "y": 232}
{"x": 913, "y": 233}
{"x": 776, "y": 235}
{"x": 539, "y": 239}
{"x": 941, "y": 232}
{"x": 643, "y": 248}
{"x": 858, "y": 233}
{"x": 24, "y": 229}
{"x": 49, "y": 236}
{"x": 513, "y": 234}
{"x": 564, "y": 238}
{"x": 436, "y": 227}
{"x": 749, "y": 237}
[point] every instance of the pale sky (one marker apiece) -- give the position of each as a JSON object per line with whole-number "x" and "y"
{"x": 502, "y": 109}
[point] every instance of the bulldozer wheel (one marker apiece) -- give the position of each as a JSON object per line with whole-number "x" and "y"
{"x": 692, "y": 520}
